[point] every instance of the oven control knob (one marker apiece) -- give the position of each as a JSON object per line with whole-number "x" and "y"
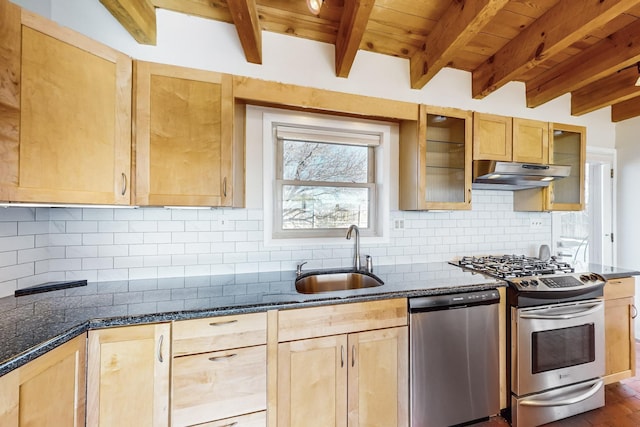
{"x": 594, "y": 277}
{"x": 524, "y": 283}
{"x": 585, "y": 277}
{"x": 534, "y": 283}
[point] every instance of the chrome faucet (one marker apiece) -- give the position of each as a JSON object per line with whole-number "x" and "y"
{"x": 356, "y": 258}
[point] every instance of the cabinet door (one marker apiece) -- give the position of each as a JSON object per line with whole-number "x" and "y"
{"x": 183, "y": 128}
{"x": 49, "y": 390}
{"x": 128, "y": 376}
{"x": 68, "y": 116}
{"x": 492, "y": 137}
{"x": 379, "y": 378}
{"x": 620, "y": 312}
{"x": 312, "y": 382}
{"x": 435, "y": 160}
{"x": 530, "y": 141}
{"x": 568, "y": 147}
{"x": 218, "y": 385}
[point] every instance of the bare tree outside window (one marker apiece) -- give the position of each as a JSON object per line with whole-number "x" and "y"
{"x": 325, "y": 185}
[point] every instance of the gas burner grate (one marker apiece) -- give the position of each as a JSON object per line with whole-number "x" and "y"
{"x": 511, "y": 266}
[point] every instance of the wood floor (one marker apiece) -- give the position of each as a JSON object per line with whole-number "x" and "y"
{"x": 622, "y": 407}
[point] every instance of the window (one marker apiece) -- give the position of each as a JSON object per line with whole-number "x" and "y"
{"x": 322, "y": 174}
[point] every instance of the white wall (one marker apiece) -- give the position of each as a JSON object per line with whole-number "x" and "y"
{"x": 43, "y": 244}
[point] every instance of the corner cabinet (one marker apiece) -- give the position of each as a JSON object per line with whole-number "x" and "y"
{"x": 65, "y": 122}
{"x": 128, "y": 376}
{"x": 184, "y": 137}
{"x": 567, "y": 147}
{"x": 619, "y": 312}
{"x": 435, "y": 160}
{"x": 343, "y": 365}
{"x": 49, "y": 390}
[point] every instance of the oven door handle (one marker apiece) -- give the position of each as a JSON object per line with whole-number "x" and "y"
{"x": 537, "y": 315}
{"x": 566, "y": 402}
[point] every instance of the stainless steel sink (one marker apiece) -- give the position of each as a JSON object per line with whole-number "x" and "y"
{"x": 312, "y": 283}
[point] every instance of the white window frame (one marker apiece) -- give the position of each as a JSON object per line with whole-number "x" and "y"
{"x": 342, "y": 127}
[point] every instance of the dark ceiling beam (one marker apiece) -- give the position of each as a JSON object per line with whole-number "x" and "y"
{"x": 353, "y": 24}
{"x": 625, "y": 110}
{"x": 461, "y": 22}
{"x": 138, "y": 17}
{"x": 609, "y": 55}
{"x": 610, "y": 90}
{"x": 556, "y": 30}
{"x": 245, "y": 17}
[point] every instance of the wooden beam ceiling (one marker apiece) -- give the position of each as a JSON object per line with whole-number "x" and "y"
{"x": 606, "y": 57}
{"x": 625, "y": 110}
{"x": 138, "y": 17}
{"x": 461, "y": 22}
{"x": 612, "y": 89}
{"x": 561, "y": 26}
{"x": 245, "y": 17}
{"x": 353, "y": 24}
{"x": 555, "y": 47}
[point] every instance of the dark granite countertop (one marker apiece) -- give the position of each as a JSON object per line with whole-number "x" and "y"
{"x": 31, "y": 325}
{"x": 609, "y": 272}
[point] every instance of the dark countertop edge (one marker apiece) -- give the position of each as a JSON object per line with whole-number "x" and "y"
{"x": 100, "y": 323}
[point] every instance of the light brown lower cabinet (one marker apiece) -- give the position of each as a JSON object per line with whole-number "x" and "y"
{"x": 128, "y": 376}
{"x": 219, "y": 385}
{"x": 358, "y": 379}
{"x": 341, "y": 365}
{"x": 620, "y": 312}
{"x": 48, "y": 391}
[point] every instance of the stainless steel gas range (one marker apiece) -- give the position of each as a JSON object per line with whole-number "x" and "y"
{"x": 555, "y": 336}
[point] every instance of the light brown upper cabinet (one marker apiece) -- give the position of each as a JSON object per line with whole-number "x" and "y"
{"x": 184, "y": 131}
{"x": 65, "y": 114}
{"x": 435, "y": 160}
{"x": 567, "y": 147}
{"x": 509, "y": 139}
{"x": 492, "y": 137}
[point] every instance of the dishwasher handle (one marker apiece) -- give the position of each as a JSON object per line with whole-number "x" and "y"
{"x": 456, "y": 300}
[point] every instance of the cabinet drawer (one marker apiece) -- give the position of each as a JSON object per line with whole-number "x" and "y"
{"x": 219, "y": 333}
{"x": 312, "y": 322}
{"x": 620, "y": 288}
{"x": 218, "y": 385}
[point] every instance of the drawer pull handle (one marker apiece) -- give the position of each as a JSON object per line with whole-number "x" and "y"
{"x": 224, "y": 187}
{"x": 218, "y": 358}
{"x": 635, "y": 311}
{"x": 223, "y": 323}
{"x": 235, "y": 423}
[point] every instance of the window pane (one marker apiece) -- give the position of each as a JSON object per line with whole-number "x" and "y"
{"x": 313, "y": 161}
{"x": 311, "y": 207}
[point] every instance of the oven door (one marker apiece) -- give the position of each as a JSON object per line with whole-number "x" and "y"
{"x": 556, "y": 345}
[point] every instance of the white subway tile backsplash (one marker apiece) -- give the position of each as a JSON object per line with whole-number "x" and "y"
{"x": 147, "y": 243}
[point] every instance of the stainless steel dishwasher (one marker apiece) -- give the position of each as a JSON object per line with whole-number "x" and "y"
{"x": 454, "y": 360}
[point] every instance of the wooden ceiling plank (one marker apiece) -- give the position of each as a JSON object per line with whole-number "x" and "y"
{"x": 138, "y": 17}
{"x": 557, "y": 29}
{"x": 612, "y": 89}
{"x": 606, "y": 57}
{"x": 352, "y": 27}
{"x": 245, "y": 17}
{"x": 625, "y": 110}
{"x": 461, "y": 22}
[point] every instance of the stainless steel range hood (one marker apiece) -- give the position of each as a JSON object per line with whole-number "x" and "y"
{"x": 496, "y": 175}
